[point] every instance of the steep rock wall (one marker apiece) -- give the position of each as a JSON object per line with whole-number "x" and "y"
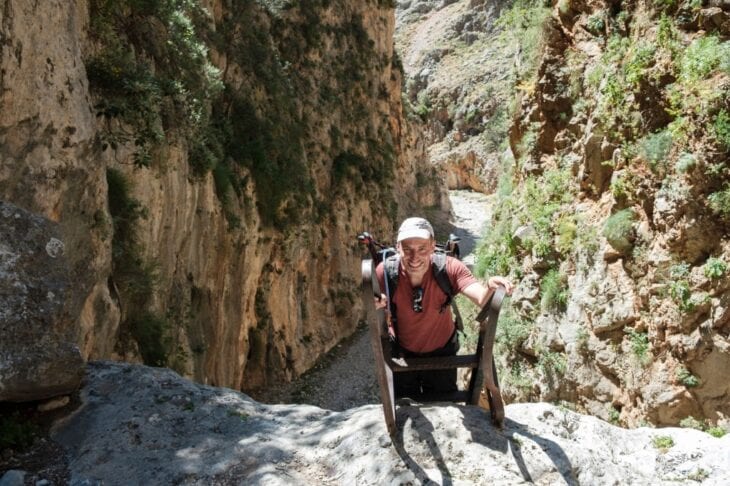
{"x": 226, "y": 278}
{"x": 617, "y": 228}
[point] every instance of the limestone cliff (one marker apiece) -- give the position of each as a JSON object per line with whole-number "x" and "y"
{"x": 616, "y": 223}
{"x": 209, "y": 166}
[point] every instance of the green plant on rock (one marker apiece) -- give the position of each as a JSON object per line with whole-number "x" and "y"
{"x": 719, "y": 203}
{"x": 519, "y": 377}
{"x": 686, "y": 162}
{"x": 553, "y": 291}
{"x": 152, "y": 71}
{"x": 680, "y": 292}
{"x": 668, "y": 35}
{"x": 566, "y": 232}
{"x": 640, "y": 59}
{"x": 639, "y": 342}
{"x": 693, "y": 423}
{"x": 662, "y": 442}
{"x": 687, "y": 378}
{"x": 721, "y": 128}
{"x": 619, "y": 229}
{"x": 596, "y": 23}
{"x": 654, "y": 148}
{"x": 690, "y": 422}
{"x": 614, "y": 415}
{"x": 552, "y": 362}
{"x": 521, "y": 25}
{"x": 714, "y": 268}
{"x": 512, "y": 331}
{"x": 702, "y": 57}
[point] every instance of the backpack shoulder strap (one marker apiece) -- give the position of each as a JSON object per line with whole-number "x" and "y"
{"x": 391, "y": 265}
{"x": 438, "y": 266}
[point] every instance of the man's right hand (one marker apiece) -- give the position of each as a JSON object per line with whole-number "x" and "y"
{"x": 380, "y": 302}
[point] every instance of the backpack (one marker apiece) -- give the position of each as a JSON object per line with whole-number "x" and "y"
{"x": 391, "y": 266}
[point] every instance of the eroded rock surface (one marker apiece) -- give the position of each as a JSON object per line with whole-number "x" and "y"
{"x": 38, "y": 358}
{"x": 147, "y": 425}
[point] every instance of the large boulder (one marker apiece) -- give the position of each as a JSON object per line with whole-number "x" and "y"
{"x": 38, "y": 356}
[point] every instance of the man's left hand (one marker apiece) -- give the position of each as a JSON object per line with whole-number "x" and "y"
{"x": 495, "y": 282}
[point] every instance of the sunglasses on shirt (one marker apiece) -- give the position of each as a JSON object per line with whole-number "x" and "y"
{"x": 417, "y": 297}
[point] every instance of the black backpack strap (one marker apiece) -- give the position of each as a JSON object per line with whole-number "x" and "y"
{"x": 391, "y": 266}
{"x": 438, "y": 266}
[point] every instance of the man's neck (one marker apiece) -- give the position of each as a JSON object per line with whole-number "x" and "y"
{"x": 417, "y": 279}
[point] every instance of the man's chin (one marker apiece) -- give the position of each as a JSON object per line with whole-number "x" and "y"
{"x": 415, "y": 269}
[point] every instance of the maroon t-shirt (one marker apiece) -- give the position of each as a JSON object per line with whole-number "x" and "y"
{"x": 426, "y": 331}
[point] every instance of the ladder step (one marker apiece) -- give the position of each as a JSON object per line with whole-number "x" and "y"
{"x": 434, "y": 363}
{"x": 455, "y": 396}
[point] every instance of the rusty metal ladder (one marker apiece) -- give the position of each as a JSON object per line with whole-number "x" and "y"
{"x": 484, "y": 374}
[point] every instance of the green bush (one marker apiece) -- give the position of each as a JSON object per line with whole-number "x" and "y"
{"x": 512, "y": 331}
{"x": 613, "y": 415}
{"x": 639, "y": 342}
{"x": 702, "y": 57}
{"x": 719, "y": 201}
{"x": 680, "y": 292}
{"x": 619, "y": 230}
{"x": 150, "y": 81}
{"x": 596, "y": 23}
{"x": 552, "y": 362}
{"x": 638, "y": 62}
{"x": 714, "y": 268}
{"x": 553, "y": 291}
{"x": 662, "y": 442}
{"x": 721, "y": 128}
{"x": 654, "y": 148}
{"x": 692, "y": 423}
{"x": 687, "y": 378}
{"x": 686, "y": 162}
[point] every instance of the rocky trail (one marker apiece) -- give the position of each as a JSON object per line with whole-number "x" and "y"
{"x": 345, "y": 377}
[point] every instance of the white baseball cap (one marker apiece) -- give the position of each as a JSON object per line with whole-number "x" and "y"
{"x": 415, "y": 228}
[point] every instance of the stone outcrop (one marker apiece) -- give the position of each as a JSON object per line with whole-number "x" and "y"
{"x": 40, "y": 358}
{"x": 139, "y": 424}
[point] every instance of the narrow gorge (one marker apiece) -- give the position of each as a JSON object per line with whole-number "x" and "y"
{"x": 181, "y": 187}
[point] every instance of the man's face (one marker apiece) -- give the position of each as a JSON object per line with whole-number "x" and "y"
{"x": 415, "y": 254}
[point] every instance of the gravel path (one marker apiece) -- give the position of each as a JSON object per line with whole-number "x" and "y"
{"x": 345, "y": 377}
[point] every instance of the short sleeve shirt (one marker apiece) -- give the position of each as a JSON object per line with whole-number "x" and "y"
{"x": 431, "y": 329}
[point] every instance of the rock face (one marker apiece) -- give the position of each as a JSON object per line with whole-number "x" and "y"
{"x": 140, "y": 425}
{"x": 618, "y": 224}
{"x": 213, "y": 236}
{"x": 39, "y": 356}
{"x": 458, "y": 81}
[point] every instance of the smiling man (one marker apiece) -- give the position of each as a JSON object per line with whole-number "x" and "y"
{"x": 420, "y": 312}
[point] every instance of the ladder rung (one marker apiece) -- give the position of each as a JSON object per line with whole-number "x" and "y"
{"x": 434, "y": 363}
{"x": 455, "y": 396}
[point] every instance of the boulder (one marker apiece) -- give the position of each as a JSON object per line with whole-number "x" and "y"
{"x": 39, "y": 356}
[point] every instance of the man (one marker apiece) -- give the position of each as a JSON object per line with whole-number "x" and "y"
{"x": 424, "y": 325}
